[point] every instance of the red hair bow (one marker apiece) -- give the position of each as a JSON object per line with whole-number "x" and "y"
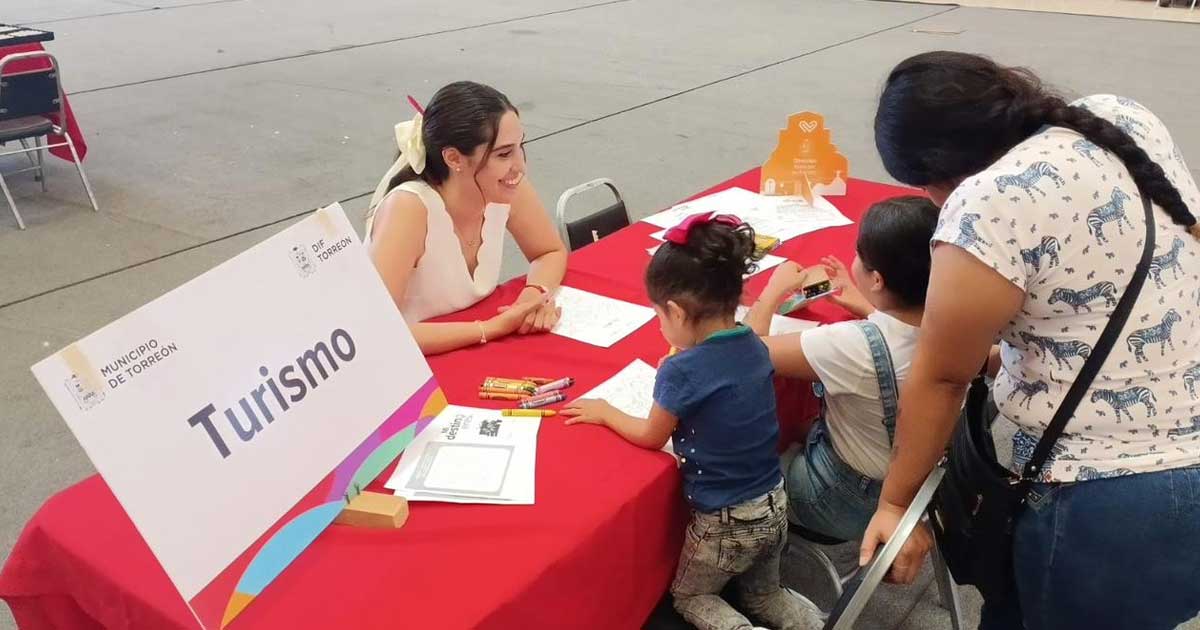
{"x": 679, "y": 233}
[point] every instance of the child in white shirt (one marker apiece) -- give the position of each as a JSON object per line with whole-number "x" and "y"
{"x": 833, "y": 485}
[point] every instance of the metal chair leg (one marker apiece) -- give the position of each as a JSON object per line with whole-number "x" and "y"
{"x": 11, "y": 204}
{"x": 41, "y": 160}
{"x": 79, "y": 167}
{"x": 830, "y": 570}
{"x": 28, "y": 154}
{"x": 852, "y": 602}
{"x": 946, "y": 589}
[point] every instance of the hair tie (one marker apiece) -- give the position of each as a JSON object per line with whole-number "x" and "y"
{"x": 679, "y": 234}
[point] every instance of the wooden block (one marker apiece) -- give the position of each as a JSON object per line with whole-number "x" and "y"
{"x": 374, "y": 509}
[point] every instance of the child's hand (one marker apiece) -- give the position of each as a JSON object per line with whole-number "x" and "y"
{"x": 847, "y": 294}
{"x": 839, "y": 275}
{"x": 787, "y": 277}
{"x": 589, "y": 412}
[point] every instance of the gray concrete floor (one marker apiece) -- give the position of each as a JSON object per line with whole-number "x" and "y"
{"x": 213, "y": 124}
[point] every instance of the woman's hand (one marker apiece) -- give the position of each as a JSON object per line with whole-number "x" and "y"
{"x": 540, "y": 320}
{"x": 847, "y": 296}
{"x": 510, "y": 319}
{"x": 881, "y": 529}
{"x": 590, "y": 412}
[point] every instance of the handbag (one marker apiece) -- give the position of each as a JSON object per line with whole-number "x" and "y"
{"x": 975, "y": 509}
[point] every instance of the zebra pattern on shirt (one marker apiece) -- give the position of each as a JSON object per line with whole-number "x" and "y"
{"x": 1029, "y": 178}
{"x": 1169, "y": 260}
{"x": 1159, "y": 333}
{"x": 1088, "y": 473}
{"x": 1048, "y": 247}
{"x": 1190, "y": 377}
{"x": 1028, "y": 390}
{"x": 1087, "y": 149}
{"x": 1131, "y": 126}
{"x": 1082, "y": 298}
{"x": 1023, "y": 445}
{"x": 1062, "y": 351}
{"x": 1114, "y": 210}
{"x": 1186, "y": 430}
{"x": 1122, "y": 400}
{"x": 967, "y": 236}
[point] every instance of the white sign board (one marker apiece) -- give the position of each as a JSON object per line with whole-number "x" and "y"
{"x": 255, "y": 392}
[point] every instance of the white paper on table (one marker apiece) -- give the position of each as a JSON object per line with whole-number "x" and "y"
{"x": 768, "y": 262}
{"x": 780, "y": 324}
{"x": 736, "y": 201}
{"x": 631, "y": 390}
{"x": 784, "y": 217}
{"x": 598, "y": 320}
{"x": 788, "y": 217}
{"x": 652, "y": 250}
{"x": 469, "y": 455}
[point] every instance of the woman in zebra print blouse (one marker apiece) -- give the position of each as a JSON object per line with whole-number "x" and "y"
{"x": 1039, "y": 234}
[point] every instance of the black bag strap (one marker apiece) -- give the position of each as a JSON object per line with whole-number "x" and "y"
{"x": 1091, "y": 366}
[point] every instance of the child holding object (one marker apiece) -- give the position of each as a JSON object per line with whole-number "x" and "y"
{"x": 716, "y": 401}
{"x": 833, "y": 485}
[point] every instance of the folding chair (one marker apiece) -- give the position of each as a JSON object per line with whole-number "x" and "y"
{"x": 858, "y": 589}
{"x": 595, "y": 226}
{"x": 27, "y": 101}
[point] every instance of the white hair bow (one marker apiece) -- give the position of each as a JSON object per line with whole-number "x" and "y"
{"x": 412, "y": 154}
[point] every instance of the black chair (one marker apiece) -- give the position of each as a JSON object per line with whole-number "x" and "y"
{"x": 28, "y": 100}
{"x": 595, "y": 226}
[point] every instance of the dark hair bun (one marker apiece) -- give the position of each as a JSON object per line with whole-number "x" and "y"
{"x": 705, "y": 275}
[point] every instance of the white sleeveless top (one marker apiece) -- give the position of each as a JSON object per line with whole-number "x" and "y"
{"x": 440, "y": 283}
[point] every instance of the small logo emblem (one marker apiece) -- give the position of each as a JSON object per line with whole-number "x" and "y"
{"x": 304, "y": 264}
{"x": 84, "y": 396}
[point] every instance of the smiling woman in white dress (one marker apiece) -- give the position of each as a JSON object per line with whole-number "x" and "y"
{"x": 435, "y": 227}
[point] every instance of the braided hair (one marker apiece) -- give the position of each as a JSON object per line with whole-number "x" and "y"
{"x": 946, "y": 115}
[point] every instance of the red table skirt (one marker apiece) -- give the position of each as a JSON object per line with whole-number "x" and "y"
{"x": 597, "y": 550}
{"x": 72, "y": 126}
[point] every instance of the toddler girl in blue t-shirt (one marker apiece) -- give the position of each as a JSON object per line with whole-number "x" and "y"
{"x": 716, "y": 401}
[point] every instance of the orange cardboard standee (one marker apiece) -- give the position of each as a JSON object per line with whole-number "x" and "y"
{"x": 805, "y": 161}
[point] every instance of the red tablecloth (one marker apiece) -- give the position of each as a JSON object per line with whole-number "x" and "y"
{"x": 597, "y": 550}
{"x": 72, "y": 125}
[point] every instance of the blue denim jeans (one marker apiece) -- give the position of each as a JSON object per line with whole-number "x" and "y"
{"x": 825, "y": 494}
{"x": 1114, "y": 553}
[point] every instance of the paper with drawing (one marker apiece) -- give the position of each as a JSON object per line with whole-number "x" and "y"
{"x": 631, "y": 390}
{"x": 598, "y": 320}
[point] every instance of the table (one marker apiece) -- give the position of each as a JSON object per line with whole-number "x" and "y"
{"x": 13, "y": 42}
{"x": 598, "y": 549}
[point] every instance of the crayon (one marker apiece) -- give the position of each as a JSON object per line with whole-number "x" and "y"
{"x": 561, "y": 383}
{"x": 528, "y": 413}
{"x": 506, "y": 390}
{"x": 538, "y": 380}
{"x": 542, "y": 401}
{"x": 495, "y": 396}
{"x": 508, "y": 385}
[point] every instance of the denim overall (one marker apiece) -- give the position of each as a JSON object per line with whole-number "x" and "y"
{"x": 825, "y": 494}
